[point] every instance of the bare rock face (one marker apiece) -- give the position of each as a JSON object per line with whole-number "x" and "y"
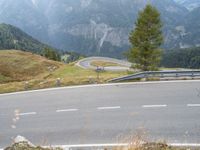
{"x": 21, "y": 139}
{"x": 21, "y": 143}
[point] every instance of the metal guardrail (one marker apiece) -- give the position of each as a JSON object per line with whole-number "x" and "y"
{"x": 158, "y": 74}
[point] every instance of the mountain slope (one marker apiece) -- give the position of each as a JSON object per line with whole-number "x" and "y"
{"x": 14, "y": 38}
{"x": 101, "y": 27}
{"x": 92, "y": 27}
{"x": 191, "y": 37}
{"x": 189, "y": 4}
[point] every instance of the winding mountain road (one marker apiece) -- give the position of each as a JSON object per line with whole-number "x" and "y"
{"x": 86, "y": 63}
{"x": 103, "y": 113}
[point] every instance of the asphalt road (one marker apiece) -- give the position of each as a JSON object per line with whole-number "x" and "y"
{"x": 103, "y": 113}
{"x": 86, "y": 63}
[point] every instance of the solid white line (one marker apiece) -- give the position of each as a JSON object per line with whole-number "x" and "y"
{"x": 154, "y": 106}
{"x": 185, "y": 144}
{"x": 66, "y": 110}
{"x": 118, "y": 145}
{"x": 28, "y": 113}
{"x": 107, "y": 108}
{"x": 115, "y": 145}
{"x": 193, "y": 105}
{"x": 89, "y": 145}
{"x": 99, "y": 85}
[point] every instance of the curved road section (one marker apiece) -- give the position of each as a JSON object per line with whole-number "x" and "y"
{"x": 86, "y": 63}
{"x": 103, "y": 113}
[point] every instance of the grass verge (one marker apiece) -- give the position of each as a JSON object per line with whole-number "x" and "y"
{"x": 105, "y": 64}
{"x": 18, "y": 68}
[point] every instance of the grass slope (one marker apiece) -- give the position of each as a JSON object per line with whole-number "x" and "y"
{"x": 104, "y": 64}
{"x": 18, "y": 67}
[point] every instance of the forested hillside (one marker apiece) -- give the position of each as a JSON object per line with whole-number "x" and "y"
{"x": 13, "y": 38}
{"x": 182, "y": 58}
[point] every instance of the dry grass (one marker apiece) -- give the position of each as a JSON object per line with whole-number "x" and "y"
{"x": 17, "y": 67}
{"x": 20, "y": 66}
{"x": 104, "y": 64}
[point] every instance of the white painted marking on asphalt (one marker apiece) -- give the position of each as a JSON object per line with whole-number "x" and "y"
{"x": 28, "y": 113}
{"x": 89, "y": 145}
{"x": 99, "y": 85}
{"x": 66, "y": 147}
{"x": 107, "y": 108}
{"x": 154, "y": 106}
{"x": 66, "y": 110}
{"x": 193, "y": 105}
{"x": 185, "y": 144}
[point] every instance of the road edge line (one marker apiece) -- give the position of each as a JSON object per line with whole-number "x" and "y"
{"x": 66, "y": 147}
{"x": 98, "y": 85}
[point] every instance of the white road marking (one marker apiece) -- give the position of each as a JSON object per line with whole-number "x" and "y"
{"x": 67, "y": 147}
{"x": 193, "y": 105}
{"x": 28, "y": 113}
{"x": 154, "y": 106}
{"x": 107, "y": 108}
{"x": 66, "y": 110}
{"x": 185, "y": 144}
{"x": 99, "y": 85}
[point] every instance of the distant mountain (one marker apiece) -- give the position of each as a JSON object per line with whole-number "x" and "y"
{"x": 191, "y": 29}
{"x": 96, "y": 27}
{"x": 189, "y": 4}
{"x": 13, "y": 38}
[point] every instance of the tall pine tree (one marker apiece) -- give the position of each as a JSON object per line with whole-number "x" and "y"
{"x": 146, "y": 40}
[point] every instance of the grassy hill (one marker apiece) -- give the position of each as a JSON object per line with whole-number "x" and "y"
{"x": 18, "y": 67}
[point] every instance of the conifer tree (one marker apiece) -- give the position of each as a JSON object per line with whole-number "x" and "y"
{"x": 146, "y": 39}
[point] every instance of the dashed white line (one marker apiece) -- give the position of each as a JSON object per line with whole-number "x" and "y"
{"x": 153, "y": 106}
{"x": 108, "y": 108}
{"x": 99, "y": 85}
{"x": 66, "y": 110}
{"x": 193, "y": 105}
{"x": 28, "y": 113}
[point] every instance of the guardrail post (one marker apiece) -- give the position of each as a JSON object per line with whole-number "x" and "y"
{"x": 146, "y": 76}
{"x": 162, "y": 75}
{"x": 176, "y": 74}
{"x": 192, "y": 75}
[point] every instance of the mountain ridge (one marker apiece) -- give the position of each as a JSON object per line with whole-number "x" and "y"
{"x": 94, "y": 27}
{"x": 12, "y": 37}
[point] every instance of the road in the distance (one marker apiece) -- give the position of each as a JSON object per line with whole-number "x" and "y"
{"x": 86, "y": 63}
{"x": 104, "y": 114}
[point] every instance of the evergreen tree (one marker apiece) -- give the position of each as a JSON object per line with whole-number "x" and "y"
{"x": 146, "y": 40}
{"x": 51, "y": 54}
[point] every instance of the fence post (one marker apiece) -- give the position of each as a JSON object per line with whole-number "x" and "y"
{"x": 58, "y": 83}
{"x": 26, "y": 85}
